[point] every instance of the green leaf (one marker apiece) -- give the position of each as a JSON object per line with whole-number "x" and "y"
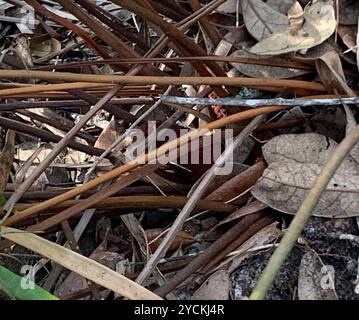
{"x": 10, "y": 283}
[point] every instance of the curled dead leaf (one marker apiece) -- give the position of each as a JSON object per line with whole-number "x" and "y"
{"x": 319, "y": 25}
{"x": 44, "y": 46}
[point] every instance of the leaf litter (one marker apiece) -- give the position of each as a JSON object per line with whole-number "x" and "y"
{"x": 160, "y": 225}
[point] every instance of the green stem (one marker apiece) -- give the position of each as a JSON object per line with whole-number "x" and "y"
{"x": 302, "y": 216}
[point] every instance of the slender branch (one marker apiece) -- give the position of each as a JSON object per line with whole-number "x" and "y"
{"x": 150, "y": 80}
{"x": 303, "y": 214}
{"x": 174, "y": 144}
{"x": 54, "y": 153}
{"x": 253, "y": 103}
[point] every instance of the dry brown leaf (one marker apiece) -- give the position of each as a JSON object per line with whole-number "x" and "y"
{"x": 315, "y": 280}
{"x": 216, "y": 287}
{"x": 330, "y": 71}
{"x": 303, "y": 148}
{"x": 351, "y": 124}
{"x": 349, "y": 35}
{"x": 111, "y": 133}
{"x": 319, "y": 25}
{"x": 262, "y": 20}
{"x": 23, "y": 51}
{"x": 295, "y": 161}
{"x": 44, "y": 46}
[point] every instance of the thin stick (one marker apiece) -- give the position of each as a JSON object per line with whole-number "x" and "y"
{"x": 50, "y": 87}
{"x": 162, "y": 81}
{"x": 303, "y": 214}
{"x": 54, "y": 152}
{"x": 171, "y": 145}
{"x": 254, "y": 103}
{"x": 125, "y": 134}
{"x": 143, "y": 202}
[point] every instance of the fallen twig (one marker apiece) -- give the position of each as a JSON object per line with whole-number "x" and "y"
{"x": 254, "y": 103}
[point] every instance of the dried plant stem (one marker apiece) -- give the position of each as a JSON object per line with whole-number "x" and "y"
{"x": 152, "y": 155}
{"x": 75, "y": 262}
{"x": 144, "y": 202}
{"x": 303, "y": 214}
{"x": 55, "y": 151}
{"x": 50, "y": 87}
{"x": 163, "y": 81}
{"x": 254, "y": 103}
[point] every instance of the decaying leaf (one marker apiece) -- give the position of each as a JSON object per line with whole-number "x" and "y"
{"x": 348, "y": 34}
{"x": 316, "y": 280}
{"x": 330, "y": 71}
{"x": 284, "y": 187}
{"x": 319, "y": 25}
{"x": 260, "y": 71}
{"x": 44, "y": 46}
{"x": 303, "y": 148}
{"x": 262, "y": 20}
{"x": 294, "y": 162}
{"x": 216, "y": 287}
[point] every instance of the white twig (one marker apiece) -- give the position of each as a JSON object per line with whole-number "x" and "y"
{"x": 253, "y": 103}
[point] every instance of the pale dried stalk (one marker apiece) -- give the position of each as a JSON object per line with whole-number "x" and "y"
{"x": 254, "y": 103}
{"x": 83, "y": 266}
